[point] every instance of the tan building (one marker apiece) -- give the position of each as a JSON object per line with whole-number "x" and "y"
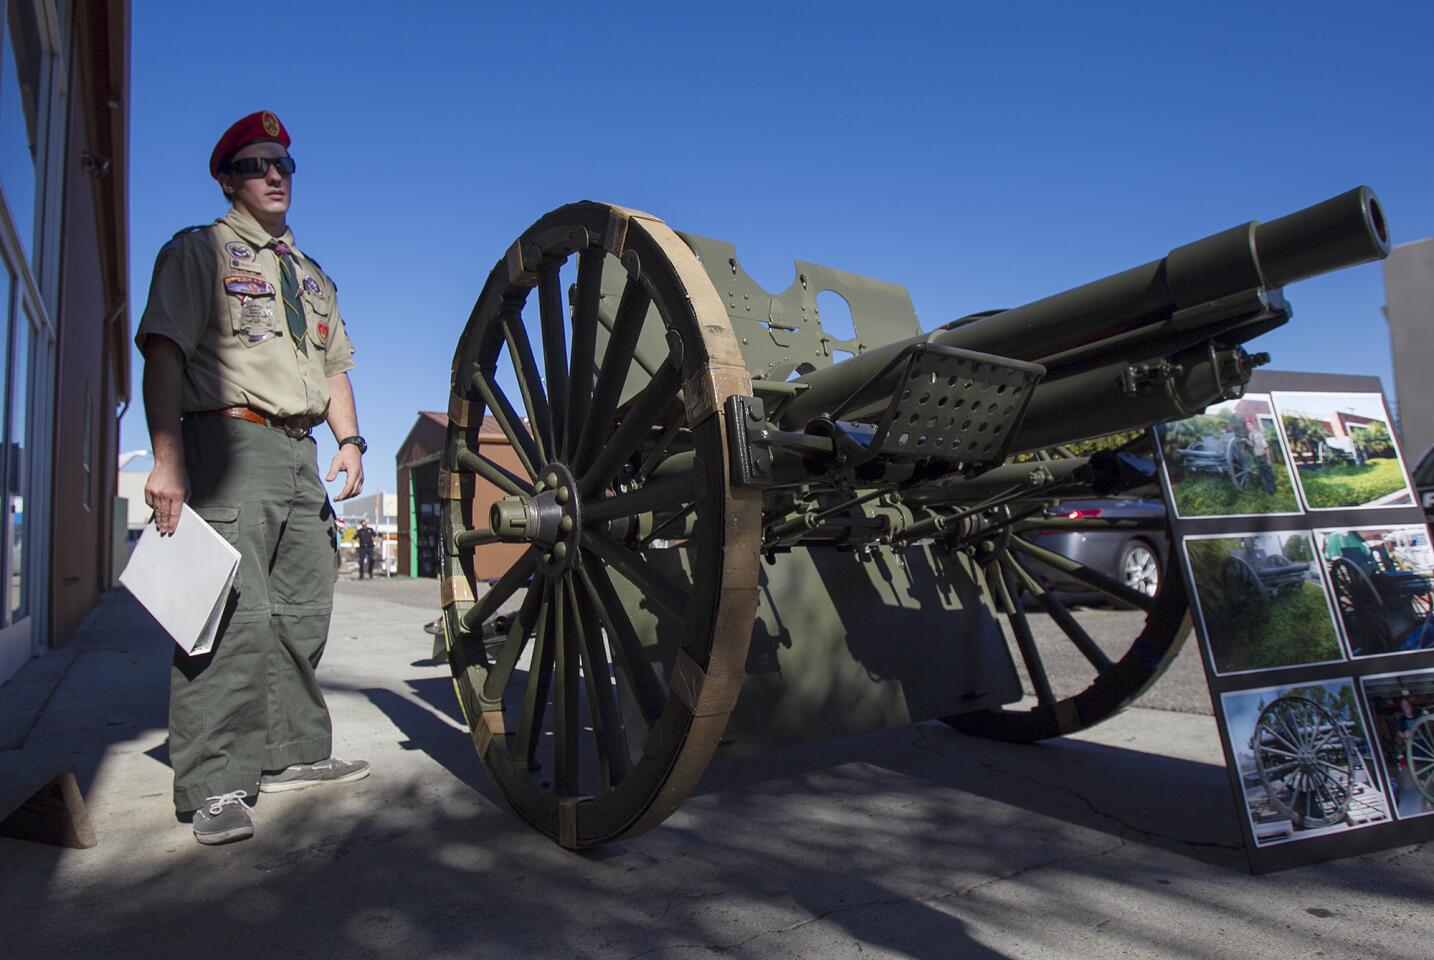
{"x": 64, "y": 310}
{"x": 418, "y": 505}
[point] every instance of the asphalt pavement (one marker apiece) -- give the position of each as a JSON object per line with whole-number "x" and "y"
{"x": 914, "y": 842}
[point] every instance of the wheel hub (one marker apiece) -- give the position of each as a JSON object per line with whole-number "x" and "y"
{"x": 550, "y": 520}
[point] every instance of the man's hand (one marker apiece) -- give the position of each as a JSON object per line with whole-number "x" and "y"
{"x": 349, "y": 462}
{"x": 166, "y": 491}
{"x": 167, "y": 488}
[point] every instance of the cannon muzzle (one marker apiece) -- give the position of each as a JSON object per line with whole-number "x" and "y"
{"x": 1202, "y": 291}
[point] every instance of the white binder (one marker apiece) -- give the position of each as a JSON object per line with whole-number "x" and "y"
{"x": 183, "y": 580}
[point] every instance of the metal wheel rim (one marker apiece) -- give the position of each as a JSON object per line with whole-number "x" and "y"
{"x": 576, "y": 620}
{"x": 1141, "y": 569}
{"x": 1295, "y": 759}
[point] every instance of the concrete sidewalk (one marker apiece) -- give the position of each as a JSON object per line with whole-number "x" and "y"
{"x": 915, "y": 842}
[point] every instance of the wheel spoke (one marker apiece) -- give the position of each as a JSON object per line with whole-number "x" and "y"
{"x": 665, "y": 594}
{"x": 632, "y": 659}
{"x": 1294, "y": 726}
{"x": 1024, "y": 640}
{"x": 1278, "y": 772}
{"x": 656, "y": 456}
{"x": 555, "y": 349}
{"x": 535, "y": 693}
{"x": 1270, "y": 729}
{"x": 506, "y": 586}
{"x": 530, "y": 385}
{"x": 612, "y": 376}
{"x": 497, "y": 475}
{"x": 1080, "y": 571}
{"x": 502, "y": 409}
{"x": 502, "y": 671}
{"x": 585, "y": 324}
{"x": 1068, "y": 624}
{"x": 611, "y": 739}
{"x": 642, "y": 415}
{"x": 566, "y": 721}
{"x": 663, "y": 493}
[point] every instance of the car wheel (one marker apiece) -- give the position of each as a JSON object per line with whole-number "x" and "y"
{"x": 1139, "y": 568}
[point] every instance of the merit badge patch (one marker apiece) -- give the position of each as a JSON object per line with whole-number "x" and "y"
{"x": 257, "y": 322}
{"x": 323, "y": 331}
{"x": 271, "y": 124}
{"x": 238, "y": 250}
{"x": 312, "y": 285}
{"x": 249, "y": 286}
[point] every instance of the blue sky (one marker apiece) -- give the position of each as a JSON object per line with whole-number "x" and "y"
{"x": 982, "y": 155}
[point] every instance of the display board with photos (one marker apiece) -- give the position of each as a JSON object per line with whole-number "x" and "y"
{"x": 1310, "y": 577}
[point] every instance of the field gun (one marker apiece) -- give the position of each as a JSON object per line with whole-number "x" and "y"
{"x": 745, "y": 532}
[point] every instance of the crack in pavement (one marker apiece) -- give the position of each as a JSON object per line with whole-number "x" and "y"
{"x": 920, "y": 744}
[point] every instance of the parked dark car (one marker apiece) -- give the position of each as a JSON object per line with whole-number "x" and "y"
{"x": 1136, "y": 557}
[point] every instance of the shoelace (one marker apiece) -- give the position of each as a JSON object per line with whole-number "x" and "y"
{"x": 216, "y": 804}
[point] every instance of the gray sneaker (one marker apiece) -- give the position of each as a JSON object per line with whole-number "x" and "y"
{"x": 223, "y": 819}
{"x": 301, "y": 775}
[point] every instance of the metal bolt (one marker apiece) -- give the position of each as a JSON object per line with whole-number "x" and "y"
{"x": 561, "y": 550}
{"x": 566, "y": 524}
{"x": 563, "y": 494}
{"x": 547, "y": 558}
{"x": 551, "y": 479}
{"x": 539, "y": 487}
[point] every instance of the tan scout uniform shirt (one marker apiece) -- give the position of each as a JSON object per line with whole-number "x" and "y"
{"x": 216, "y": 293}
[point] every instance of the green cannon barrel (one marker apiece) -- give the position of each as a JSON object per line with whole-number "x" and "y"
{"x": 1145, "y": 301}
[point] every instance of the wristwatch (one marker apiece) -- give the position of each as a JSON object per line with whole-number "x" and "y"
{"x": 359, "y": 442}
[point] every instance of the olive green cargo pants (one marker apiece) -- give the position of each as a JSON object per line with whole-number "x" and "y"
{"x": 252, "y": 704}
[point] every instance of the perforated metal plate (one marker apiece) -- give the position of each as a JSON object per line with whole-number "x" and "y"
{"x": 958, "y": 405}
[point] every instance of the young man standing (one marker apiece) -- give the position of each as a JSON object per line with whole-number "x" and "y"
{"x": 245, "y": 353}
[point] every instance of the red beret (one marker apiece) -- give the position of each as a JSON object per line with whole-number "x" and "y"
{"x": 255, "y": 128}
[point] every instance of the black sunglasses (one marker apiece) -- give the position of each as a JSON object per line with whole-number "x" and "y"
{"x": 259, "y": 166}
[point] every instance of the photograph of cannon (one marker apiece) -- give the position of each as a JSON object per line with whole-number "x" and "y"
{"x": 1228, "y": 461}
{"x": 1401, "y": 713}
{"x": 748, "y": 527}
{"x": 1262, "y": 601}
{"x": 1383, "y": 581}
{"x": 1344, "y": 453}
{"x": 1304, "y": 761}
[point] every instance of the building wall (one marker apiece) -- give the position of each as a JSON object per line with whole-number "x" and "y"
{"x": 92, "y": 379}
{"x": 64, "y": 323}
{"x": 84, "y": 408}
{"x": 492, "y": 561}
{"x": 417, "y": 460}
{"x": 405, "y": 515}
{"x": 1409, "y": 298}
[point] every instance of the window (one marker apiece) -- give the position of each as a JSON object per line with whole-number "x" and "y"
{"x": 20, "y": 62}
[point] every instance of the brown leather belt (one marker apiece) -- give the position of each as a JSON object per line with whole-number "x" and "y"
{"x": 296, "y": 427}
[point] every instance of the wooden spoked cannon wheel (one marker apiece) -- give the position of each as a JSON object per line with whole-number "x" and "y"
{"x": 1305, "y": 761}
{"x": 1118, "y": 677}
{"x": 603, "y": 737}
